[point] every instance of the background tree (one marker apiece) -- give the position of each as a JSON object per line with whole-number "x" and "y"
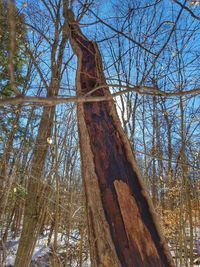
{"x": 12, "y": 62}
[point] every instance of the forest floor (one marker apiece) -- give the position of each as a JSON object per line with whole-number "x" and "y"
{"x": 43, "y": 252}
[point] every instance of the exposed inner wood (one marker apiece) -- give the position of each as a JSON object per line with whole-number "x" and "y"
{"x": 134, "y": 233}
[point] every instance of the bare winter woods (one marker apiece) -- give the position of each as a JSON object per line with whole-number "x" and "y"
{"x": 80, "y": 185}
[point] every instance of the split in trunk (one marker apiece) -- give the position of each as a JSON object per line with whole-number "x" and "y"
{"x": 123, "y": 227}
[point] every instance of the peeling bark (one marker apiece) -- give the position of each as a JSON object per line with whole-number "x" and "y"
{"x": 122, "y": 223}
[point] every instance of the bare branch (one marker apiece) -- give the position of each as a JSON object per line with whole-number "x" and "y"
{"x": 186, "y": 8}
{"x": 121, "y": 33}
{"x": 52, "y": 101}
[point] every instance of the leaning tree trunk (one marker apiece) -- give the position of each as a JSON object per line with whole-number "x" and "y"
{"x": 39, "y": 192}
{"x": 123, "y": 227}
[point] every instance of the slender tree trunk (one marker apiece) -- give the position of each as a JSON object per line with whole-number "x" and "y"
{"x": 186, "y": 190}
{"x": 145, "y": 177}
{"x": 123, "y": 227}
{"x": 37, "y": 192}
{"x": 169, "y": 179}
{"x": 154, "y": 154}
{"x": 6, "y": 172}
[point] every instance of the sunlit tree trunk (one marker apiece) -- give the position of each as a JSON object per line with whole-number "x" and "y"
{"x": 154, "y": 154}
{"x": 186, "y": 186}
{"x": 169, "y": 179}
{"x": 123, "y": 227}
{"x": 38, "y": 192}
{"x": 35, "y": 201}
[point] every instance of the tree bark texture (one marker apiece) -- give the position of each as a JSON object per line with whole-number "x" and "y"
{"x": 37, "y": 192}
{"x": 123, "y": 226}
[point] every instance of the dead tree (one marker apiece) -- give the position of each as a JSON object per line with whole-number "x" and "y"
{"x": 123, "y": 227}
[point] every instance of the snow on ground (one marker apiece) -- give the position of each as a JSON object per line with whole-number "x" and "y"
{"x": 42, "y": 250}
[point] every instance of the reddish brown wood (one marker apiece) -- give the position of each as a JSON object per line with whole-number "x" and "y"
{"x": 126, "y": 207}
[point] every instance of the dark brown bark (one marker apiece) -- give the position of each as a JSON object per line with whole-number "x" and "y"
{"x": 122, "y": 223}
